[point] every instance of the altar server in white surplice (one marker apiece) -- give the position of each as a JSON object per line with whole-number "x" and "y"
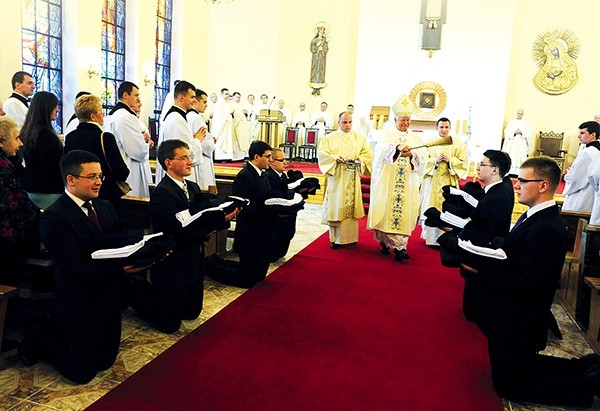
{"x": 343, "y": 156}
{"x": 196, "y": 120}
{"x": 517, "y": 141}
{"x": 176, "y": 127}
{"x": 395, "y": 181}
{"x": 301, "y": 119}
{"x": 16, "y": 106}
{"x": 124, "y": 124}
{"x": 222, "y": 127}
{"x": 579, "y": 194}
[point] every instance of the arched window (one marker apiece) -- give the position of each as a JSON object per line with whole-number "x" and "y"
{"x": 113, "y": 51}
{"x": 41, "y": 38}
{"x": 162, "y": 75}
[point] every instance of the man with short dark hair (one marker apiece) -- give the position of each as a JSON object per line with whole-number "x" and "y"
{"x": 579, "y": 194}
{"x": 17, "y": 105}
{"x": 176, "y": 291}
{"x": 84, "y": 335}
{"x": 124, "y": 125}
{"x": 176, "y": 127}
{"x": 195, "y": 117}
{"x": 517, "y": 296}
{"x": 254, "y": 235}
{"x": 490, "y": 219}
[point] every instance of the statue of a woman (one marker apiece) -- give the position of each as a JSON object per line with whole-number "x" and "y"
{"x": 319, "y": 47}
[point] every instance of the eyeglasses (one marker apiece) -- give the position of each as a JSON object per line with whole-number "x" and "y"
{"x": 184, "y": 158}
{"x": 524, "y": 180}
{"x": 92, "y": 177}
{"x": 281, "y": 160}
{"x": 486, "y": 165}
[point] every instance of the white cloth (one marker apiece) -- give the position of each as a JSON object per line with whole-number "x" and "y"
{"x": 394, "y": 202}
{"x": 594, "y": 179}
{"x": 579, "y": 194}
{"x": 222, "y": 129}
{"x": 207, "y": 171}
{"x": 167, "y": 104}
{"x": 15, "y": 110}
{"x": 71, "y": 126}
{"x": 518, "y": 145}
{"x": 176, "y": 127}
{"x": 301, "y": 119}
{"x": 241, "y": 132}
{"x": 124, "y": 125}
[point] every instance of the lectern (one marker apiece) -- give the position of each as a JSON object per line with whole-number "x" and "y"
{"x": 269, "y": 126}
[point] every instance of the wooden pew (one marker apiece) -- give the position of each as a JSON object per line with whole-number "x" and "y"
{"x": 572, "y": 268}
{"x": 6, "y": 292}
{"x": 591, "y": 269}
{"x": 593, "y": 331}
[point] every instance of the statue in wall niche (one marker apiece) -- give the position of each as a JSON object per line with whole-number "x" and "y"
{"x": 319, "y": 46}
{"x": 555, "y": 52}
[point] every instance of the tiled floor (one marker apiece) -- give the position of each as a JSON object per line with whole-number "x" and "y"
{"x": 41, "y": 388}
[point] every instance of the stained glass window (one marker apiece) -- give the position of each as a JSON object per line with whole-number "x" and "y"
{"x": 113, "y": 51}
{"x": 41, "y": 39}
{"x": 162, "y": 74}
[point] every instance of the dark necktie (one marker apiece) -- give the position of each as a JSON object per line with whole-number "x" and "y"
{"x": 185, "y": 191}
{"x": 92, "y": 214}
{"x": 520, "y": 221}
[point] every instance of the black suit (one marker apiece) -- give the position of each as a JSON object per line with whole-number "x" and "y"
{"x": 517, "y": 298}
{"x": 285, "y": 224}
{"x": 87, "y": 137}
{"x": 490, "y": 219}
{"x": 254, "y": 233}
{"x": 177, "y": 290}
{"x": 84, "y": 336}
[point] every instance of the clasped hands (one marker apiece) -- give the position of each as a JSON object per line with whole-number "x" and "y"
{"x": 404, "y": 151}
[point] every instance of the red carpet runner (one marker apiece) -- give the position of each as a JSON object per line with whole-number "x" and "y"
{"x": 331, "y": 330}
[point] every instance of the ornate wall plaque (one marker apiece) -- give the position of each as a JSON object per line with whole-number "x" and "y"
{"x": 554, "y": 52}
{"x": 429, "y": 99}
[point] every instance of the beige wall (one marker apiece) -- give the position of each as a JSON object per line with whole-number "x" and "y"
{"x": 262, "y": 46}
{"x": 561, "y": 112}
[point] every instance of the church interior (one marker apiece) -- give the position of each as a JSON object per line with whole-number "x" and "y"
{"x": 481, "y": 65}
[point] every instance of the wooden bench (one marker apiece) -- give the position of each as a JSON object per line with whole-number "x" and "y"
{"x": 572, "y": 268}
{"x": 590, "y": 268}
{"x": 593, "y": 331}
{"x": 6, "y": 292}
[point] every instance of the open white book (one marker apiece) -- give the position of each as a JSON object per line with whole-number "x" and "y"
{"x": 482, "y": 251}
{"x": 122, "y": 252}
{"x": 454, "y": 220}
{"x": 283, "y": 201}
{"x": 468, "y": 197}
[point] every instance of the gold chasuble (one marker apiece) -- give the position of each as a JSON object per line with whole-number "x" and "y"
{"x": 394, "y": 207}
{"x": 343, "y": 198}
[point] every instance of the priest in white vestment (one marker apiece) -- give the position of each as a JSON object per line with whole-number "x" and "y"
{"x": 197, "y": 121}
{"x": 343, "y": 156}
{"x": 322, "y": 119}
{"x": 395, "y": 181}
{"x": 445, "y": 165}
{"x": 222, "y": 127}
{"x": 123, "y": 123}
{"x": 176, "y": 127}
{"x": 518, "y": 142}
{"x": 301, "y": 119}
{"x": 579, "y": 194}
{"x": 241, "y": 128}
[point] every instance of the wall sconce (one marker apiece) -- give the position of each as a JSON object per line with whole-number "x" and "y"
{"x": 92, "y": 71}
{"x": 148, "y": 80}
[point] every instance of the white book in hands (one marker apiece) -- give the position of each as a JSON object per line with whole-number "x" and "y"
{"x": 122, "y": 252}
{"x": 185, "y": 217}
{"x": 454, "y": 220}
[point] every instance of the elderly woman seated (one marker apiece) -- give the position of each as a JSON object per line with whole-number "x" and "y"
{"x": 18, "y": 215}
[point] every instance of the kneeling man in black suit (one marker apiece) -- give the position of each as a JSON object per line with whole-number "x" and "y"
{"x": 517, "y": 296}
{"x": 83, "y": 336}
